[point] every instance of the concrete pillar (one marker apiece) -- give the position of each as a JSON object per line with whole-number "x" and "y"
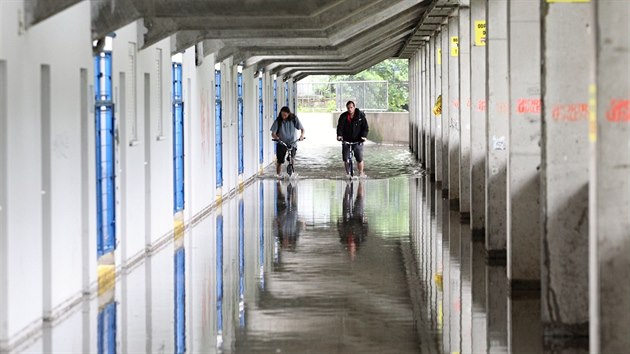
{"x": 464, "y": 112}
{"x": 426, "y": 110}
{"x": 445, "y": 54}
{"x": 466, "y": 291}
{"x": 431, "y": 168}
{"x": 524, "y": 155}
{"x": 478, "y": 139}
{"x": 437, "y": 89}
{"x": 421, "y": 97}
{"x": 567, "y": 33}
{"x": 453, "y": 104}
{"x": 497, "y": 116}
{"x": 413, "y": 129}
{"x": 609, "y": 187}
{"x": 4, "y": 229}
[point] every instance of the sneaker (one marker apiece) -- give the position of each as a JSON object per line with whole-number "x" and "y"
{"x": 348, "y": 176}
{"x": 362, "y": 175}
{"x": 279, "y": 176}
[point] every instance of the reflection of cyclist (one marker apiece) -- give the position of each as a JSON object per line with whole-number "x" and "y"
{"x": 352, "y": 227}
{"x": 283, "y": 128}
{"x": 287, "y": 218}
{"x": 352, "y": 127}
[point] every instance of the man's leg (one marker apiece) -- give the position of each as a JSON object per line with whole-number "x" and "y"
{"x": 278, "y": 165}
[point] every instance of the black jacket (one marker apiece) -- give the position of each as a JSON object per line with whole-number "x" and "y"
{"x": 356, "y": 129}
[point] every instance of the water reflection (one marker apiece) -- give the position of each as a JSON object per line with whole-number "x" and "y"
{"x": 288, "y": 225}
{"x": 353, "y": 226}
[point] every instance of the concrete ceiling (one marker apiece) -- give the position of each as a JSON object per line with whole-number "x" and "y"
{"x": 287, "y": 37}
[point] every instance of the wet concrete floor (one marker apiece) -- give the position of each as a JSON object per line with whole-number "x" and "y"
{"x": 314, "y": 264}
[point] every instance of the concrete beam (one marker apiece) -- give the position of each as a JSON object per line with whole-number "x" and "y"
{"x": 36, "y": 11}
{"x": 609, "y": 188}
{"x": 109, "y": 15}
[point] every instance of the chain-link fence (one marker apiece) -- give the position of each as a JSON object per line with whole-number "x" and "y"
{"x": 332, "y": 96}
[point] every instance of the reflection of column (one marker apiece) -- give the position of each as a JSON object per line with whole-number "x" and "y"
{"x": 107, "y": 307}
{"x": 219, "y": 279}
{"x": 261, "y": 234}
{"x": 478, "y": 280}
{"x": 180, "y": 294}
{"x": 609, "y": 187}
{"x": 466, "y": 296}
{"x": 455, "y": 281}
{"x": 525, "y": 326}
{"x": 241, "y": 263}
{"x": 567, "y": 33}
{"x": 496, "y": 307}
{"x": 446, "y": 276}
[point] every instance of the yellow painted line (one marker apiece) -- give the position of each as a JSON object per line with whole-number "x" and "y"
{"x": 106, "y": 275}
{"x": 178, "y": 227}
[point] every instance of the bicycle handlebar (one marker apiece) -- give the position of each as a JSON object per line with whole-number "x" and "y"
{"x": 285, "y": 144}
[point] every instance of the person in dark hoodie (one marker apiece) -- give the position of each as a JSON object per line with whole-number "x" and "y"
{"x": 353, "y": 127}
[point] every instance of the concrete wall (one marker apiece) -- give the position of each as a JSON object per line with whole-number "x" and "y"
{"x": 385, "y": 127}
{"x": 48, "y": 171}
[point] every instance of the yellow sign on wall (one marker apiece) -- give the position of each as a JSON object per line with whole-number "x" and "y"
{"x": 439, "y": 56}
{"x": 454, "y": 46}
{"x": 480, "y": 33}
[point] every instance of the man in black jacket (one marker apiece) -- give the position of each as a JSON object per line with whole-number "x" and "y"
{"x": 353, "y": 127}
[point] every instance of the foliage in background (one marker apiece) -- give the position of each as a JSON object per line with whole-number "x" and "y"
{"x": 395, "y": 72}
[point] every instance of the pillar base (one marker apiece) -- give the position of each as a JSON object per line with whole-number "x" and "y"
{"x": 478, "y": 235}
{"x": 454, "y": 204}
{"x": 558, "y": 337}
{"x": 496, "y": 257}
{"x": 524, "y": 289}
{"x": 464, "y": 217}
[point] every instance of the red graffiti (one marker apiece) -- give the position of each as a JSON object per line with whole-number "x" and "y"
{"x": 456, "y": 104}
{"x": 481, "y": 106}
{"x": 619, "y": 111}
{"x": 528, "y": 105}
{"x": 571, "y": 112}
{"x": 468, "y": 103}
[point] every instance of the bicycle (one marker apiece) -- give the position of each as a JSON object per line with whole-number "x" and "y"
{"x": 290, "y": 154}
{"x": 349, "y": 168}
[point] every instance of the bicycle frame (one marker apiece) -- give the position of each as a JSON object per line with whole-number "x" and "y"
{"x": 350, "y": 169}
{"x": 291, "y": 148}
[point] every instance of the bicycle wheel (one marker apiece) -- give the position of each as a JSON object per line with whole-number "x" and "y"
{"x": 290, "y": 168}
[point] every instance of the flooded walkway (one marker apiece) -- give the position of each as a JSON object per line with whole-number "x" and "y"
{"x": 313, "y": 264}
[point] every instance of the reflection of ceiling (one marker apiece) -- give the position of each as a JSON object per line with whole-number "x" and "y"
{"x": 288, "y": 37}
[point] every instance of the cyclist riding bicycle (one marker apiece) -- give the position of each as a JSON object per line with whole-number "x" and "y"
{"x": 352, "y": 127}
{"x": 283, "y": 128}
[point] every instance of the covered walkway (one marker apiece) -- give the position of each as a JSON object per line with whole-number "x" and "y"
{"x": 136, "y": 214}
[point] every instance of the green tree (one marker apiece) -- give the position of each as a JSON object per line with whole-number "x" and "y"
{"x": 395, "y": 72}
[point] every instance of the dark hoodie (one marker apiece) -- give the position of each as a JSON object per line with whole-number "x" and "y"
{"x": 354, "y": 130}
